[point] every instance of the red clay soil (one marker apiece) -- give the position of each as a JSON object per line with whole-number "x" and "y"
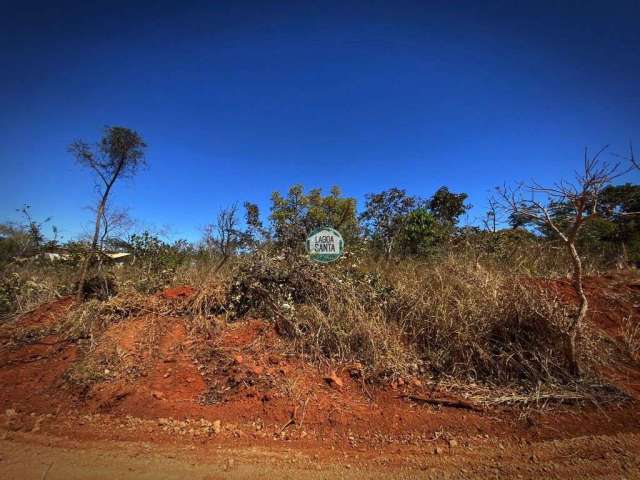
{"x": 612, "y": 298}
{"x": 178, "y": 292}
{"x": 47, "y": 314}
{"x": 169, "y": 384}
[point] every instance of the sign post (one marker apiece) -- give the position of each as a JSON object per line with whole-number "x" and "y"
{"x": 325, "y": 245}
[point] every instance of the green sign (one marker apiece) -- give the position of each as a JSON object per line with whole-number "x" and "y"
{"x": 325, "y": 245}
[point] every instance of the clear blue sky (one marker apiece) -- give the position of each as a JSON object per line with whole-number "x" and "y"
{"x": 238, "y": 99}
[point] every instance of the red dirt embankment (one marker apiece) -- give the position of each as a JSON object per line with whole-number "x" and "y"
{"x": 159, "y": 381}
{"x": 612, "y": 298}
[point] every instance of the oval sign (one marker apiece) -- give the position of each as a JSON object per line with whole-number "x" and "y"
{"x": 325, "y": 245}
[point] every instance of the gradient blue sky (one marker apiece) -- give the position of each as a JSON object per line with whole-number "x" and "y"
{"x": 238, "y": 99}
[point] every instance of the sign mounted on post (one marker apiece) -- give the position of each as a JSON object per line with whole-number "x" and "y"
{"x": 325, "y": 245}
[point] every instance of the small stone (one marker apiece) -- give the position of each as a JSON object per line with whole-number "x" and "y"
{"x": 438, "y": 450}
{"x": 333, "y": 380}
{"x": 453, "y": 443}
{"x": 158, "y": 395}
{"x": 257, "y": 370}
{"x": 237, "y": 359}
{"x": 217, "y": 427}
{"x": 36, "y": 426}
{"x": 10, "y": 412}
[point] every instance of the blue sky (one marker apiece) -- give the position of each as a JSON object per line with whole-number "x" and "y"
{"x": 238, "y": 99}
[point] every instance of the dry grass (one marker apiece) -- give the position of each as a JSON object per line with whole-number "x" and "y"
{"x": 464, "y": 318}
{"x": 631, "y": 335}
{"x": 448, "y": 317}
{"x": 24, "y": 288}
{"x": 478, "y": 323}
{"x": 90, "y": 319}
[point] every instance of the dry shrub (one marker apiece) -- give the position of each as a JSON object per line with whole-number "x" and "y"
{"x": 100, "y": 286}
{"x": 328, "y": 312}
{"x": 630, "y": 331}
{"x": 94, "y": 368}
{"x": 203, "y": 308}
{"x": 264, "y": 284}
{"x": 481, "y": 324}
{"x": 346, "y": 328}
{"x": 91, "y": 318}
{"x": 449, "y": 317}
{"x": 23, "y": 291}
{"x": 209, "y": 300}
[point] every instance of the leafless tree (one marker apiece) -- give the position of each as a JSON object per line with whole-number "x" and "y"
{"x": 632, "y": 158}
{"x": 490, "y": 221}
{"x": 119, "y": 154}
{"x": 578, "y": 200}
{"x": 224, "y": 237}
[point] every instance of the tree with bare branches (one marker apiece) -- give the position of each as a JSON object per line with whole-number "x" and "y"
{"x": 632, "y": 158}
{"x": 564, "y": 208}
{"x": 116, "y": 223}
{"x": 224, "y": 237}
{"x": 119, "y": 154}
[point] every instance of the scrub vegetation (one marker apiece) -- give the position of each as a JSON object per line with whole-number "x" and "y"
{"x": 419, "y": 292}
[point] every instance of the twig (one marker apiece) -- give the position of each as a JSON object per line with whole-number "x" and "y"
{"x": 442, "y": 402}
{"x": 291, "y": 421}
{"x": 561, "y": 397}
{"x": 304, "y": 410}
{"x": 46, "y": 472}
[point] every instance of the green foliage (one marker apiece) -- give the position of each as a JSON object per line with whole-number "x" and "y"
{"x": 256, "y": 232}
{"x": 384, "y": 215}
{"x": 119, "y": 153}
{"x": 619, "y": 220}
{"x": 157, "y": 260}
{"x": 419, "y": 232}
{"x": 24, "y": 239}
{"x": 395, "y": 222}
{"x": 295, "y": 216}
{"x": 21, "y": 291}
{"x": 447, "y": 207}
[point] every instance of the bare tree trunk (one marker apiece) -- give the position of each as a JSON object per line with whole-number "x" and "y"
{"x": 94, "y": 244}
{"x": 96, "y": 234}
{"x": 577, "y": 321}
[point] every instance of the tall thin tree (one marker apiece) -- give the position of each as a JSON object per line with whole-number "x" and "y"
{"x": 119, "y": 154}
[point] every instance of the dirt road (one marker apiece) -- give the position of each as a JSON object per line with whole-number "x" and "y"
{"x": 25, "y": 456}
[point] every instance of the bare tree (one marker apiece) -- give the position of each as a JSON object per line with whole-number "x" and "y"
{"x": 490, "y": 220}
{"x": 224, "y": 237}
{"x": 119, "y": 154}
{"x": 632, "y": 158}
{"x": 578, "y": 202}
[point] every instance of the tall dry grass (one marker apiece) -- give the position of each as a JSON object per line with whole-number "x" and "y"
{"x": 469, "y": 316}
{"x": 447, "y": 316}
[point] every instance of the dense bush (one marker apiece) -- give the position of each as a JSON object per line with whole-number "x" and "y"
{"x": 448, "y": 317}
{"x": 26, "y": 285}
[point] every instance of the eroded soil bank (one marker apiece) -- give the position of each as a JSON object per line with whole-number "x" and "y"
{"x": 151, "y": 400}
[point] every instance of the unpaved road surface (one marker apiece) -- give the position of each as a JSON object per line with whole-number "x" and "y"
{"x": 32, "y": 456}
